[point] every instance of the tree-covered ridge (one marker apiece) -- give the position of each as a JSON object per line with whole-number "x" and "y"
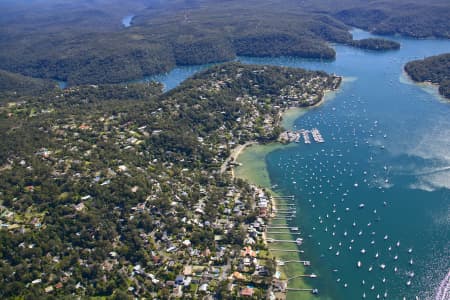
{"x": 434, "y": 69}
{"x": 375, "y": 44}
{"x": 410, "y": 18}
{"x": 85, "y": 44}
{"x": 16, "y": 84}
{"x": 116, "y": 190}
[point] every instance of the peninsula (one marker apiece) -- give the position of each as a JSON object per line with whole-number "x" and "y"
{"x": 434, "y": 69}
{"x": 116, "y": 190}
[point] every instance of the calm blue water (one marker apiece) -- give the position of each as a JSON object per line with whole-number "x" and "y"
{"x": 387, "y": 147}
{"x": 173, "y": 78}
{"x": 61, "y": 84}
{"x": 126, "y": 21}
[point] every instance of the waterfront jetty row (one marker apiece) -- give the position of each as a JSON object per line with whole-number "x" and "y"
{"x": 280, "y": 235}
{"x": 291, "y": 136}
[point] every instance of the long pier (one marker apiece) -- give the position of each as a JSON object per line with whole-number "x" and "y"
{"x": 282, "y": 232}
{"x": 286, "y": 250}
{"x": 312, "y": 275}
{"x": 303, "y": 262}
{"x": 299, "y": 290}
{"x": 283, "y": 227}
{"x": 270, "y": 240}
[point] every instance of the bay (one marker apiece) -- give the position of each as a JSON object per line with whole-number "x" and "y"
{"x": 387, "y": 147}
{"x": 126, "y": 21}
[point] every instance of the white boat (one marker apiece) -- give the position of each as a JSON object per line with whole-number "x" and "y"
{"x": 363, "y": 250}
{"x": 382, "y": 266}
{"x": 361, "y": 205}
{"x": 359, "y": 264}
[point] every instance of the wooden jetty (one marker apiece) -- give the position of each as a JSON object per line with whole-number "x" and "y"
{"x": 283, "y": 227}
{"x": 312, "y": 275}
{"x": 287, "y": 250}
{"x": 283, "y": 197}
{"x": 299, "y": 290}
{"x": 282, "y": 232}
{"x": 303, "y": 262}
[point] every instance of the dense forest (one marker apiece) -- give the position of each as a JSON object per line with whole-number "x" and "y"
{"x": 434, "y": 69}
{"x": 111, "y": 190}
{"x": 375, "y": 44}
{"x": 84, "y": 43}
{"x": 16, "y": 84}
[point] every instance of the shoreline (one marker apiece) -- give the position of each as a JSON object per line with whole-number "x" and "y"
{"x": 261, "y": 179}
{"x": 234, "y": 154}
{"x": 429, "y": 87}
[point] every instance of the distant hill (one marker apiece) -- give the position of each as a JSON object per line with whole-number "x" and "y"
{"x": 84, "y": 42}
{"x": 434, "y": 69}
{"x": 11, "y": 83}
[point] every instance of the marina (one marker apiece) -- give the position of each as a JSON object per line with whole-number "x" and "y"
{"x": 296, "y": 135}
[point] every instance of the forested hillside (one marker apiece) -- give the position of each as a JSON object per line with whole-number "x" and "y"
{"x": 434, "y": 69}
{"x": 85, "y": 43}
{"x": 16, "y": 84}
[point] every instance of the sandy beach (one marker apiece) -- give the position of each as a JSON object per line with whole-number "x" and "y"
{"x": 234, "y": 154}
